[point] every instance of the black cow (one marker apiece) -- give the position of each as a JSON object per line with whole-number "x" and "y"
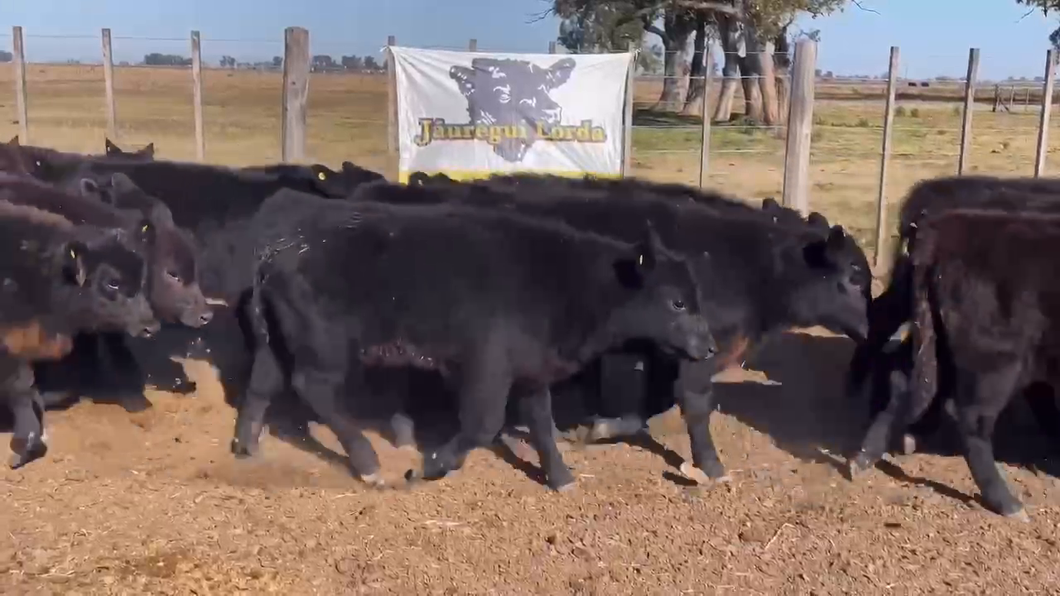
{"x": 985, "y": 302}
{"x": 115, "y": 152}
{"x": 512, "y": 93}
{"x": 214, "y": 204}
{"x": 173, "y": 288}
{"x": 58, "y": 279}
{"x": 493, "y": 300}
{"x": 327, "y": 181}
{"x": 891, "y": 309}
{"x": 758, "y": 277}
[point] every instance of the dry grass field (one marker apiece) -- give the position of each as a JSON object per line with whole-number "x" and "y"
{"x": 154, "y": 503}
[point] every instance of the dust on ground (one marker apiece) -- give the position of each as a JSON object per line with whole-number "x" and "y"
{"x": 155, "y": 503}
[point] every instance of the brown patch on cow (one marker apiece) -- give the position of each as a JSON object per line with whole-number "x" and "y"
{"x": 32, "y": 342}
{"x": 34, "y": 215}
{"x": 733, "y": 354}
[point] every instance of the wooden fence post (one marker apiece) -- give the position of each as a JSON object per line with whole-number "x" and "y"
{"x": 969, "y": 107}
{"x": 627, "y": 119}
{"x": 18, "y": 49}
{"x": 551, "y": 47}
{"x": 800, "y": 128}
{"x": 196, "y": 91}
{"x": 295, "y": 93}
{"x": 108, "y": 83}
{"x": 704, "y": 146}
{"x": 472, "y": 45}
{"x": 1047, "y": 108}
{"x": 391, "y": 98}
{"x": 885, "y": 159}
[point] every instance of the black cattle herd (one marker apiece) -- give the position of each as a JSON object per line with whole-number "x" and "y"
{"x": 338, "y": 297}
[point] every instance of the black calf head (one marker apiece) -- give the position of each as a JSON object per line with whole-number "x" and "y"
{"x": 105, "y": 276}
{"x": 830, "y": 283}
{"x": 510, "y": 93}
{"x": 173, "y": 284}
{"x": 665, "y": 302}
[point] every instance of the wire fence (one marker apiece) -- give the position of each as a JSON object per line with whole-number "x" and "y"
{"x": 242, "y": 87}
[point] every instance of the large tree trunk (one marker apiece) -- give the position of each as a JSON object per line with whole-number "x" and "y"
{"x": 730, "y": 69}
{"x": 782, "y": 68}
{"x": 679, "y": 26}
{"x": 697, "y": 75}
{"x": 767, "y": 84}
{"x": 750, "y": 73}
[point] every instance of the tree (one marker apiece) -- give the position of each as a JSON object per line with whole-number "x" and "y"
{"x": 156, "y": 59}
{"x": 6, "y": 56}
{"x": 228, "y": 62}
{"x": 277, "y": 61}
{"x": 371, "y": 64}
{"x": 1047, "y": 7}
{"x": 323, "y": 62}
{"x": 352, "y": 62}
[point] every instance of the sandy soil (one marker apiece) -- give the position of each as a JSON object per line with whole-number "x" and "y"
{"x": 155, "y": 503}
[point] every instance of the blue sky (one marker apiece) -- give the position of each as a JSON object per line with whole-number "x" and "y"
{"x": 934, "y": 35}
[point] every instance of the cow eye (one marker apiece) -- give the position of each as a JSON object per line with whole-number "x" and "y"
{"x": 112, "y": 285}
{"x": 173, "y": 275}
{"x": 678, "y": 305}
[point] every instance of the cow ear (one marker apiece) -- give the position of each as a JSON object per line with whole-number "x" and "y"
{"x": 122, "y": 183}
{"x": 633, "y": 271}
{"x": 770, "y": 204}
{"x": 112, "y": 149}
{"x": 90, "y": 189}
{"x": 837, "y": 239}
{"x": 74, "y": 270}
{"x": 148, "y": 151}
{"x": 321, "y": 173}
{"x": 464, "y": 78}
{"x": 146, "y": 231}
{"x": 817, "y": 221}
{"x": 559, "y": 72}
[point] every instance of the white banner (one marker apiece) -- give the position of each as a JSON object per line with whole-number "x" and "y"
{"x": 471, "y": 114}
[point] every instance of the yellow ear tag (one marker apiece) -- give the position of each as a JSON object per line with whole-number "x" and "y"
{"x": 144, "y": 229}
{"x": 321, "y": 175}
{"x": 640, "y": 260}
{"x": 73, "y": 254}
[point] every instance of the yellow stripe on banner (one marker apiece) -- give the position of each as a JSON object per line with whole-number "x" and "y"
{"x": 403, "y": 175}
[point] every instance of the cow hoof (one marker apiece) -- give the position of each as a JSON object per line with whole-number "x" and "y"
{"x": 700, "y": 477}
{"x": 26, "y": 451}
{"x": 561, "y": 482}
{"x": 858, "y": 465}
{"x": 374, "y": 480}
{"x": 135, "y": 405}
{"x": 243, "y": 449}
{"x": 908, "y": 444}
{"x": 1018, "y": 514}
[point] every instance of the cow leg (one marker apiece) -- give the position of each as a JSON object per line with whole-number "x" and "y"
{"x": 622, "y": 396}
{"x": 266, "y": 381}
{"x": 981, "y": 399}
{"x": 126, "y": 376}
{"x": 537, "y": 406}
{"x": 27, "y": 440}
{"x": 320, "y": 389}
{"x": 885, "y": 424}
{"x": 484, "y": 387}
{"x": 697, "y": 402}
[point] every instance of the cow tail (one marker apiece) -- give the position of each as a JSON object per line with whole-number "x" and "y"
{"x": 926, "y": 326}
{"x": 257, "y": 304}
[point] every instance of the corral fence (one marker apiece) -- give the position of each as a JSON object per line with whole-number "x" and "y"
{"x": 797, "y": 128}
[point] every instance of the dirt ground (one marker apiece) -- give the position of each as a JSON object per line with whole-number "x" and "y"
{"x": 155, "y": 503}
